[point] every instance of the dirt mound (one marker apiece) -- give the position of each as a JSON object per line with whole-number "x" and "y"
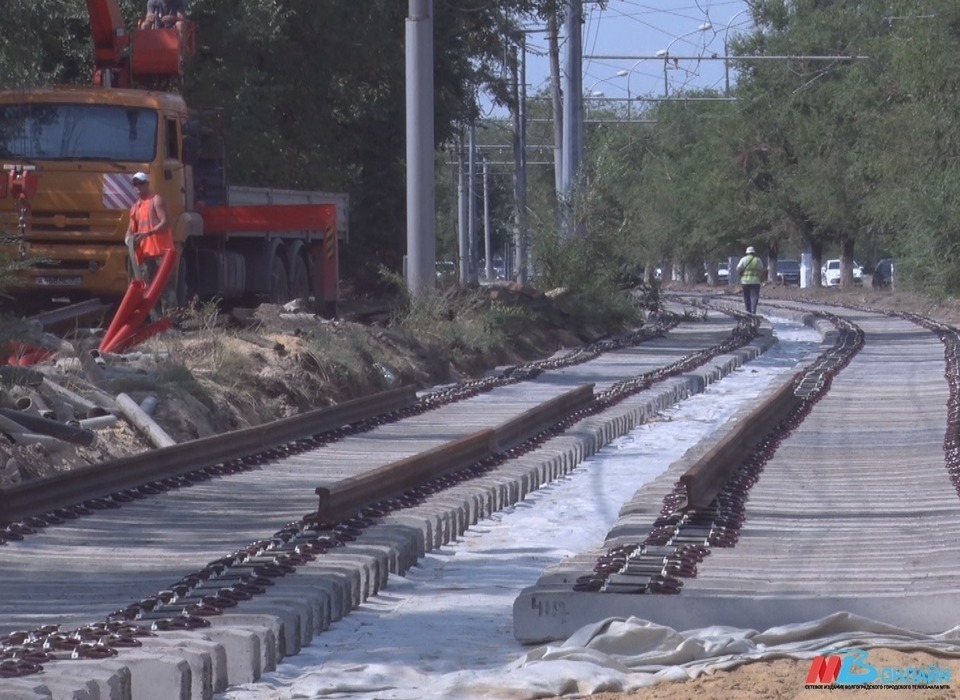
{"x": 224, "y": 371}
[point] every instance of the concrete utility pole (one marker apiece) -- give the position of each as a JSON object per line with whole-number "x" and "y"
{"x": 556, "y": 102}
{"x": 421, "y": 217}
{"x": 572, "y": 111}
{"x": 520, "y": 170}
{"x": 463, "y": 236}
{"x": 487, "y": 225}
{"x": 472, "y": 241}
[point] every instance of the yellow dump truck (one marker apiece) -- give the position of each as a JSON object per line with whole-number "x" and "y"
{"x": 69, "y": 154}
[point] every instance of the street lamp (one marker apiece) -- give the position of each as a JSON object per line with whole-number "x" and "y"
{"x": 629, "y": 75}
{"x": 593, "y": 93}
{"x": 665, "y": 53}
{"x": 726, "y": 52}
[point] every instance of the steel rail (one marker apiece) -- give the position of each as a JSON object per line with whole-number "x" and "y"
{"x": 347, "y": 497}
{"x": 540, "y": 418}
{"x": 709, "y": 474}
{"x": 33, "y": 498}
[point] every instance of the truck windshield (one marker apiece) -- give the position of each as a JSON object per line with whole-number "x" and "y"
{"x": 77, "y": 132}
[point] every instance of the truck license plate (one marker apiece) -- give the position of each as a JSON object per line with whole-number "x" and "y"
{"x": 59, "y": 281}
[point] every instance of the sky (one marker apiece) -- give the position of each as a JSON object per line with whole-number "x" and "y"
{"x": 460, "y": 597}
{"x": 634, "y": 29}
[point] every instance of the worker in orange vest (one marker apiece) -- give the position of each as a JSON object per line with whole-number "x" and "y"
{"x": 149, "y": 235}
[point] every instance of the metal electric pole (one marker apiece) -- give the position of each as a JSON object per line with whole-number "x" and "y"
{"x": 421, "y": 217}
{"x": 572, "y": 111}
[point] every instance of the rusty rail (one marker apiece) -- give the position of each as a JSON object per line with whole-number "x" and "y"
{"x": 40, "y": 496}
{"x": 542, "y": 417}
{"x": 707, "y": 477}
{"x": 346, "y": 498}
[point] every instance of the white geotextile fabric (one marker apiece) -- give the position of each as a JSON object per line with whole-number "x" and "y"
{"x": 620, "y": 655}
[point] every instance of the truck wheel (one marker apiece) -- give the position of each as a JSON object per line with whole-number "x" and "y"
{"x": 279, "y": 282}
{"x": 299, "y": 280}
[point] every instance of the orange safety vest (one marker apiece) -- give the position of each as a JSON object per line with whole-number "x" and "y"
{"x": 144, "y": 217}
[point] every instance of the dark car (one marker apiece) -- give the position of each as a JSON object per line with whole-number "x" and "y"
{"x": 788, "y": 272}
{"x": 883, "y": 273}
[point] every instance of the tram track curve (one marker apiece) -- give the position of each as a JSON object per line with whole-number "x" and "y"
{"x": 669, "y": 543}
{"x": 250, "y": 574}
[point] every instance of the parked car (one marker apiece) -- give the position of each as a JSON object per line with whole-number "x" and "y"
{"x": 723, "y": 273}
{"x": 830, "y": 273}
{"x": 446, "y": 270}
{"x": 883, "y": 273}
{"x": 788, "y": 272}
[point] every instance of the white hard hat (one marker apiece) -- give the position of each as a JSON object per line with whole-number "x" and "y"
{"x": 141, "y": 177}
{"x": 750, "y": 250}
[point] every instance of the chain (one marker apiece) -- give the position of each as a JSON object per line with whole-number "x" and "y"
{"x": 22, "y": 243}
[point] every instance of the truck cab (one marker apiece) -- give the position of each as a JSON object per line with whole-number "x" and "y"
{"x": 85, "y": 144}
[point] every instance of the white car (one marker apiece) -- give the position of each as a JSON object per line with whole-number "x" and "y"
{"x": 723, "y": 272}
{"x": 830, "y": 273}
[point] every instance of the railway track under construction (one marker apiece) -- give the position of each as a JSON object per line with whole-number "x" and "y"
{"x": 158, "y": 570}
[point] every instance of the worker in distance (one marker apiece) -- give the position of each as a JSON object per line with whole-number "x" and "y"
{"x": 751, "y": 269}
{"x": 166, "y": 13}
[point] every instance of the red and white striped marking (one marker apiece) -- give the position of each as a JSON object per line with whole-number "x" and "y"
{"x": 118, "y": 192}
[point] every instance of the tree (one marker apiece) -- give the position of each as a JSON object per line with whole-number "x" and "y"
{"x": 914, "y": 200}
{"x": 48, "y": 42}
{"x": 811, "y": 151}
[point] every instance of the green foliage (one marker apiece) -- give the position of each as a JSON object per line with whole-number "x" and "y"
{"x": 849, "y": 145}
{"x": 457, "y": 321}
{"x": 598, "y": 267}
{"x": 691, "y": 188}
{"x": 14, "y": 332}
{"x": 46, "y": 42}
{"x": 347, "y": 356}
